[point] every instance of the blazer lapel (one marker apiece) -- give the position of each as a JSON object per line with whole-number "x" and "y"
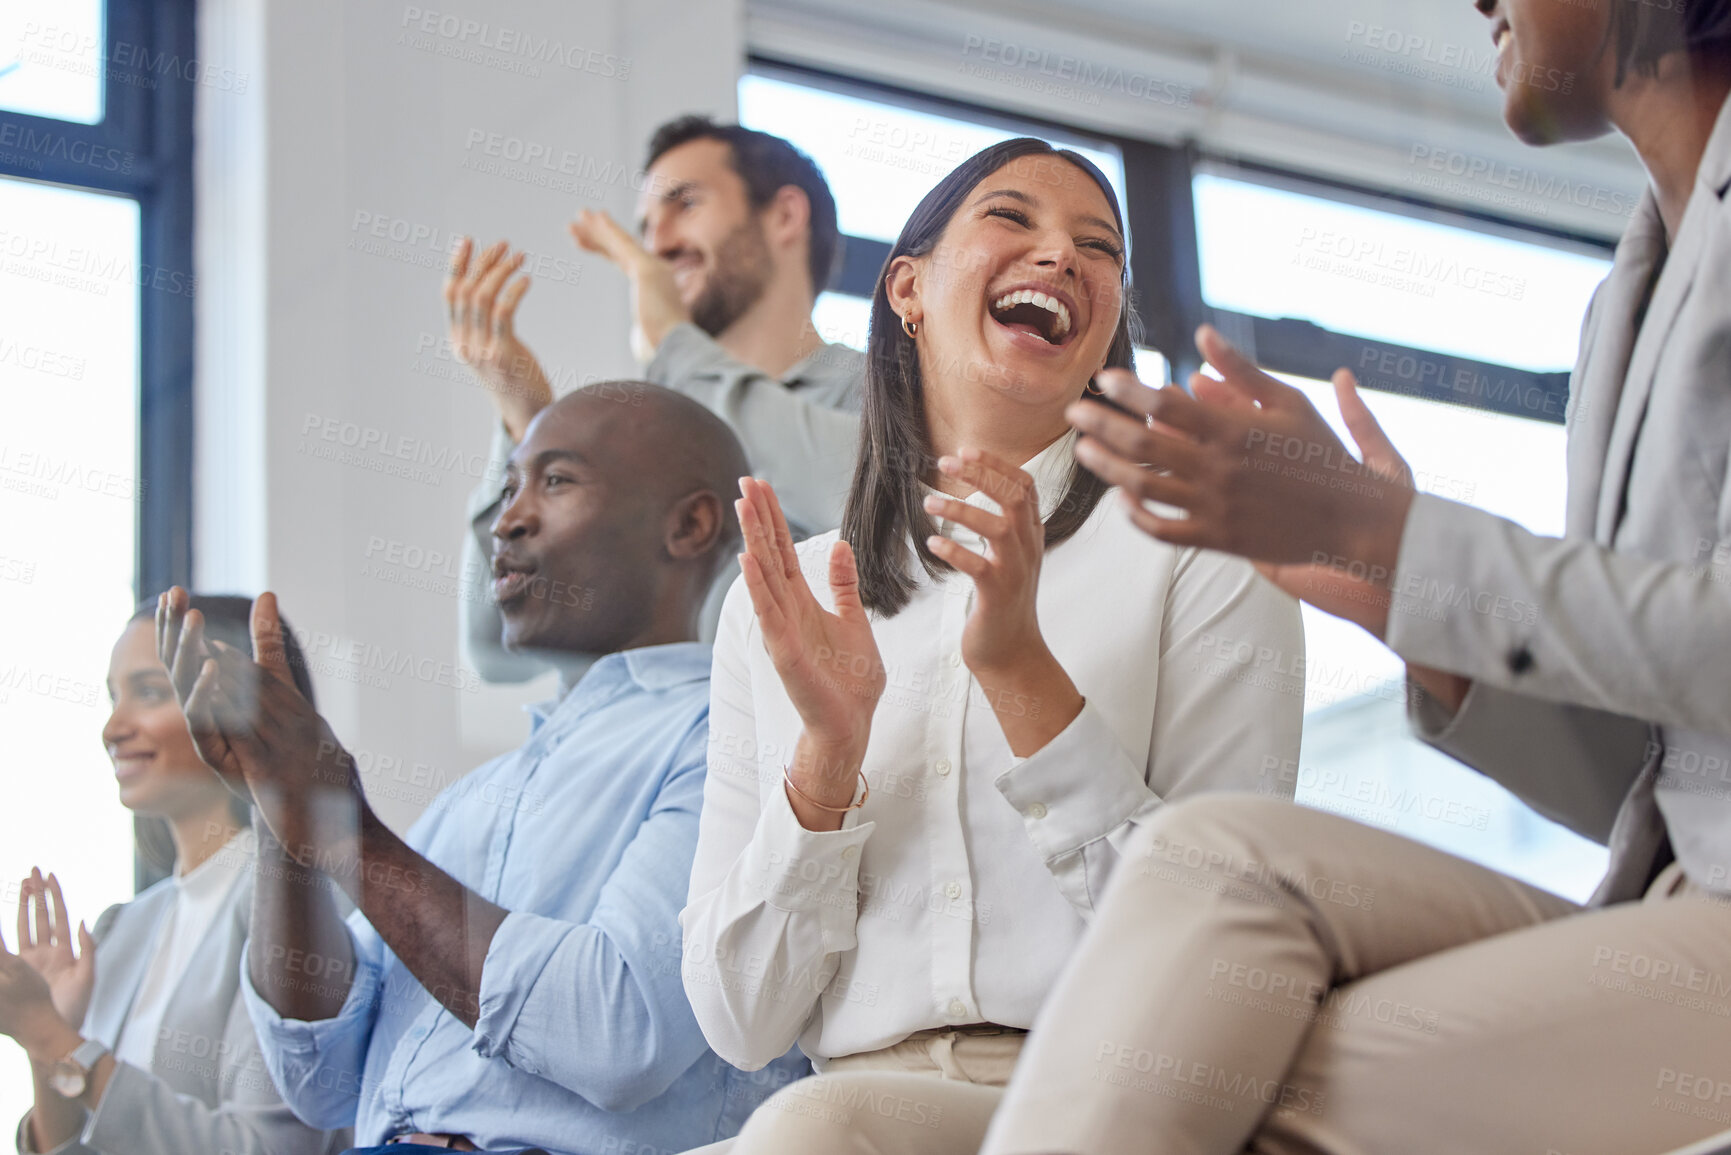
{"x": 1651, "y": 331}
{"x": 189, "y": 1055}
{"x": 123, "y": 956}
{"x": 1607, "y": 340}
{"x": 1601, "y": 434}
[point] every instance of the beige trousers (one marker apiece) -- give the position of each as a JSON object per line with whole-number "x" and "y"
{"x": 1266, "y": 978}
{"x": 931, "y": 1094}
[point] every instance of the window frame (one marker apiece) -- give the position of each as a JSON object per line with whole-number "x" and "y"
{"x": 152, "y": 128}
{"x": 1165, "y": 258}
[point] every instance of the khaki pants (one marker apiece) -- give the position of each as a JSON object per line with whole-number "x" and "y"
{"x": 931, "y": 1094}
{"x": 1267, "y": 978}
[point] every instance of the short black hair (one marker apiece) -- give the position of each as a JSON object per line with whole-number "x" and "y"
{"x": 1641, "y": 32}
{"x": 767, "y": 164}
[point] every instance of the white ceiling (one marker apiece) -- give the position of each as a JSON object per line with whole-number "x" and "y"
{"x": 1287, "y": 82}
{"x": 1304, "y": 32}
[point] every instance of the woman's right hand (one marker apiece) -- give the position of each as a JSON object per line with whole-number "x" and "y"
{"x": 828, "y": 662}
{"x": 48, "y": 948}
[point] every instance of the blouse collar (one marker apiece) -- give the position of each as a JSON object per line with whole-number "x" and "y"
{"x": 1051, "y": 469}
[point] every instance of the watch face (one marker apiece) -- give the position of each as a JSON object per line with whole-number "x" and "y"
{"x": 68, "y": 1079}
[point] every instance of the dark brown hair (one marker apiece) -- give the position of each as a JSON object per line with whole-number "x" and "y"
{"x": 1643, "y": 31}
{"x": 884, "y": 505}
{"x": 767, "y": 164}
{"x": 227, "y": 619}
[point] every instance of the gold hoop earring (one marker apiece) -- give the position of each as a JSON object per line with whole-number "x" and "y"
{"x": 1094, "y": 391}
{"x": 911, "y": 328}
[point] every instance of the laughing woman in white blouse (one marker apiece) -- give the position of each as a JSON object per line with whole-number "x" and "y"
{"x": 931, "y": 738}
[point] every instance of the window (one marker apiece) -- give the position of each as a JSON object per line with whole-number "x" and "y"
{"x": 95, "y": 366}
{"x": 1391, "y": 277}
{"x": 49, "y": 55}
{"x": 1439, "y": 290}
{"x": 1462, "y": 328}
{"x": 880, "y": 158}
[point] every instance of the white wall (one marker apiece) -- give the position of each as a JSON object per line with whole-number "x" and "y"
{"x": 329, "y": 192}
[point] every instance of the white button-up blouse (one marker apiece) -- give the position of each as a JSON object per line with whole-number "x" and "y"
{"x": 959, "y": 890}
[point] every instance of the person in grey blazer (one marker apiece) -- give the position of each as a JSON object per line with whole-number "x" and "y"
{"x": 1271, "y": 978}
{"x": 138, "y": 1036}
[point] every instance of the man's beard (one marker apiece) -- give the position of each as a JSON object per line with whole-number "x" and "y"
{"x": 741, "y": 274}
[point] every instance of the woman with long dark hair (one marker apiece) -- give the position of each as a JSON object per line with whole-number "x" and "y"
{"x": 138, "y": 1039}
{"x": 1460, "y": 1010}
{"x": 927, "y": 755}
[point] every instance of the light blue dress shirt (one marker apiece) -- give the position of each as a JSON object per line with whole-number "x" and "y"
{"x": 585, "y": 1042}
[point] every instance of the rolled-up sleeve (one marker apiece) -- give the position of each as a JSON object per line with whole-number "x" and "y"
{"x": 598, "y": 1006}
{"x": 318, "y": 1066}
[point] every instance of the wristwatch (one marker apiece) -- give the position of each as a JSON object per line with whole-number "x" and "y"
{"x": 71, "y": 1075}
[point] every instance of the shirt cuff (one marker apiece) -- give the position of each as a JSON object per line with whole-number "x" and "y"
{"x": 1077, "y": 788}
{"x": 808, "y": 871}
{"x": 23, "y": 1140}
{"x": 519, "y": 953}
{"x": 304, "y": 1039}
{"x": 1431, "y": 722}
{"x": 685, "y": 352}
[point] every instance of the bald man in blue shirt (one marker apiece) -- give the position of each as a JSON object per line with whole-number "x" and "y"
{"x": 511, "y": 978}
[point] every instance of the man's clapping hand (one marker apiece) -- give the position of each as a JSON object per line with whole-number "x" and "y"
{"x": 481, "y": 299}
{"x": 250, "y": 722}
{"x": 656, "y": 306}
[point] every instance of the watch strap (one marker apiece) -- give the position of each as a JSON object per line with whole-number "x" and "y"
{"x": 87, "y": 1054}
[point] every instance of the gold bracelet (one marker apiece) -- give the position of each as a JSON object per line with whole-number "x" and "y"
{"x": 787, "y": 776}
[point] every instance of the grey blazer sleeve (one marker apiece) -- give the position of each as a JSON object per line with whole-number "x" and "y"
{"x": 1565, "y": 620}
{"x": 236, "y": 1111}
{"x": 140, "y": 1115}
{"x": 1571, "y": 764}
{"x": 478, "y": 621}
{"x": 1556, "y": 635}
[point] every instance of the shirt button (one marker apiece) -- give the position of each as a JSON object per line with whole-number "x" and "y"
{"x": 850, "y": 852}
{"x": 954, "y": 890}
{"x": 1037, "y": 810}
{"x": 958, "y": 1008}
{"x": 956, "y": 658}
{"x": 942, "y": 767}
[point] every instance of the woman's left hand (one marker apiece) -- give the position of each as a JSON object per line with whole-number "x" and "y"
{"x": 1029, "y": 691}
{"x": 48, "y": 947}
{"x": 1003, "y": 631}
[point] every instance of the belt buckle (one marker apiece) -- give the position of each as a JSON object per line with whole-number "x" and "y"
{"x": 987, "y": 1030}
{"x": 424, "y": 1139}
